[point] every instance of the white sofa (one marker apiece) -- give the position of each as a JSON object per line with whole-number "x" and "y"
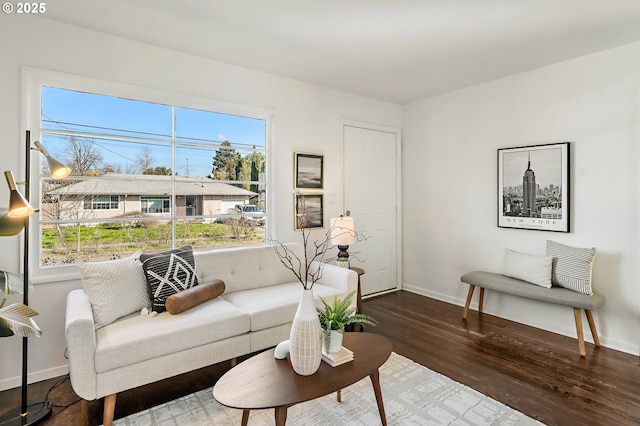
{"x": 254, "y": 313}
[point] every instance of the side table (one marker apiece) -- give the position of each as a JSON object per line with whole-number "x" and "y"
{"x": 360, "y": 273}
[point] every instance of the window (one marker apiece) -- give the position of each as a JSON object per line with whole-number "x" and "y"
{"x": 101, "y": 202}
{"x": 150, "y": 204}
{"x": 151, "y": 170}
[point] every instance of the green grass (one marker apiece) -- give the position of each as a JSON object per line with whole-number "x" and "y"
{"x": 102, "y": 241}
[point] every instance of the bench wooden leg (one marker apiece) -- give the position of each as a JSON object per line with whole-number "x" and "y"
{"x": 578, "y": 316}
{"x": 592, "y": 326}
{"x": 481, "y": 301}
{"x": 466, "y": 305}
{"x": 234, "y": 362}
{"x": 109, "y": 409}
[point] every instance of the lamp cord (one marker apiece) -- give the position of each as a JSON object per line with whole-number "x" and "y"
{"x": 57, "y": 384}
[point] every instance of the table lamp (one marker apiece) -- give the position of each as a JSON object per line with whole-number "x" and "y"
{"x": 343, "y": 235}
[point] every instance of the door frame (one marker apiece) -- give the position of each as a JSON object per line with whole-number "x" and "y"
{"x": 398, "y": 133}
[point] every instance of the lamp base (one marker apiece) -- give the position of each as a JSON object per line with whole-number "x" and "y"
{"x": 35, "y": 414}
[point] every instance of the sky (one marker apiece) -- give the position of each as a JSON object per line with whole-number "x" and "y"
{"x": 89, "y": 113}
{"x": 546, "y": 163}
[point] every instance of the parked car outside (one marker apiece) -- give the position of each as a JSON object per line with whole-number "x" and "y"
{"x": 249, "y": 211}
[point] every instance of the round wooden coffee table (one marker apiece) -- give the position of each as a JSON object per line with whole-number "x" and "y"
{"x": 265, "y": 382}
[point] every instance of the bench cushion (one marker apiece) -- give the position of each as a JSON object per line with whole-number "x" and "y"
{"x": 558, "y": 295}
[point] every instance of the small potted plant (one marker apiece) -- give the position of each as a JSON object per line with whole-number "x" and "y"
{"x": 335, "y": 316}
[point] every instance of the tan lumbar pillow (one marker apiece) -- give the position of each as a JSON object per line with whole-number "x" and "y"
{"x": 194, "y": 296}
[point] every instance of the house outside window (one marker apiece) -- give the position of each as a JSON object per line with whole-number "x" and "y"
{"x": 151, "y": 171}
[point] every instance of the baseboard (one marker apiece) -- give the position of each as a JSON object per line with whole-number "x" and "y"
{"x": 33, "y": 377}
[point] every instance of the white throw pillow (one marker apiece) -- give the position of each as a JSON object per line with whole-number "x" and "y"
{"x": 116, "y": 288}
{"x": 528, "y": 267}
{"x": 572, "y": 266}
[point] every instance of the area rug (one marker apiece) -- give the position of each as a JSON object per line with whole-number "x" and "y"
{"x": 413, "y": 395}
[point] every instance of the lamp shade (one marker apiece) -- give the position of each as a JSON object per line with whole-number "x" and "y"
{"x": 343, "y": 231}
{"x": 57, "y": 170}
{"x": 18, "y": 205}
{"x": 8, "y": 225}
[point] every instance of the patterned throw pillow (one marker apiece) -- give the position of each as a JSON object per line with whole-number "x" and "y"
{"x": 115, "y": 288}
{"x": 571, "y": 266}
{"x": 168, "y": 273}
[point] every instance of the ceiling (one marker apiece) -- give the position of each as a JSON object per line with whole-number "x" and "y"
{"x": 393, "y": 50}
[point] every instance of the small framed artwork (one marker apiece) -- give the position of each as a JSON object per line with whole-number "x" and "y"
{"x": 309, "y": 211}
{"x": 309, "y": 170}
{"x": 533, "y": 187}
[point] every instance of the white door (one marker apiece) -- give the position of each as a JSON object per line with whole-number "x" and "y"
{"x": 371, "y": 195}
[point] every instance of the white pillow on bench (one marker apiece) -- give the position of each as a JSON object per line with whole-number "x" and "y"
{"x": 528, "y": 267}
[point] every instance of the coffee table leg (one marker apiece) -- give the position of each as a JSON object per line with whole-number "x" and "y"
{"x": 281, "y": 416}
{"x": 375, "y": 381}
{"x": 245, "y": 417}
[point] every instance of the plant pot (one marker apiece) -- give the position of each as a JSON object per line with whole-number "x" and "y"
{"x": 305, "y": 340}
{"x": 332, "y": 342}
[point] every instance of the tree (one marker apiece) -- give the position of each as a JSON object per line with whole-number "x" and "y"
{"x": 81, "y": 155}
{"x": 225, "y": 162}
{"x": 158, "y": 170}
{"x": 145, "y": 160}
{"x": 257, "y": 165}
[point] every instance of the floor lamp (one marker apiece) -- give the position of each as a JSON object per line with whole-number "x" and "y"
{"x": 19, "y": 210}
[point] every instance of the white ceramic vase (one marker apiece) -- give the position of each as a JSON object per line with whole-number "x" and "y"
{"x": 305, "y": 341}
{"x": 335, "y": 341}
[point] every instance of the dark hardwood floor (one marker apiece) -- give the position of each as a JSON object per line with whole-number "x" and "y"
{"x": 536, "y": 372}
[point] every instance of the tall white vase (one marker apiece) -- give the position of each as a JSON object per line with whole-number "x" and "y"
{"x": 305, "y": 347}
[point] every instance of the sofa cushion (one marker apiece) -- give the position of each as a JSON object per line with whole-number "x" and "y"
{"x": 244, "y": 268}
{"x": 276, "y": 305}
{"x": 115, "y": 288}
{"x": 167, "y": 273}
{"x": 138, "y": 338}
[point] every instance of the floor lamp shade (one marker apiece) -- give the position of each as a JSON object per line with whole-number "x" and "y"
{"x": 18, "y": 205}
{"x": 57, "y": 170}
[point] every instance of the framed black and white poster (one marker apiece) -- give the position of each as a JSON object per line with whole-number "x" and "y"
{"x": 533, "y": 187}
{"x": 308, "y": 171}
{"x": 309, "y": 211}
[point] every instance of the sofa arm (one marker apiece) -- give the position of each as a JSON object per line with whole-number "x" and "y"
{"x": 81, "y": 344}
{"x": 343, "y": 279}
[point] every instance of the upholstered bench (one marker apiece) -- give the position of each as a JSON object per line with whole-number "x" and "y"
{"x": 557, "y": 295}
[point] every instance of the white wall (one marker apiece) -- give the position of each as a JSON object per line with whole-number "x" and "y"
{"x": 307, "y": 118}
{"x": 450, "y": 185}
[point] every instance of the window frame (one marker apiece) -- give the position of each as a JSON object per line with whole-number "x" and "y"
{"x": 33, "y": 79}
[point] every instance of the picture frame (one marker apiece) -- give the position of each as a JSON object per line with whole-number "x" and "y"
{"x": 308, "y": 211}
{"x": 534, "y": 187}
{"x": 308, "y": 171}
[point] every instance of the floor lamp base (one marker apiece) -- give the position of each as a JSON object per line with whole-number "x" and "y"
{"x": 35, "y": 414}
